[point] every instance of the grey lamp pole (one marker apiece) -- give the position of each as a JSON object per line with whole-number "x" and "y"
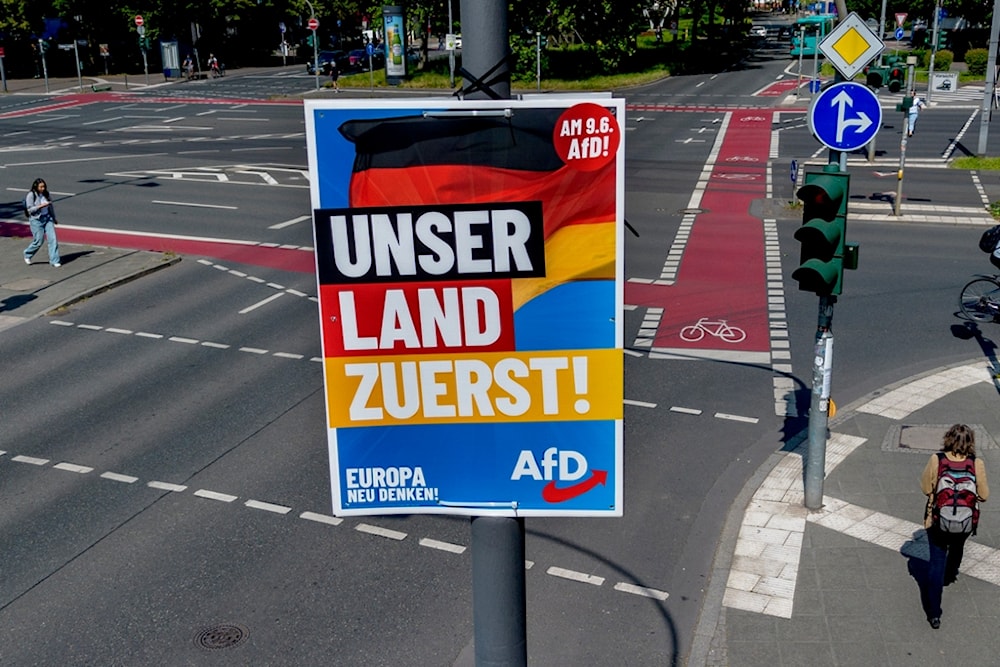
{"x": 499, "y": 598}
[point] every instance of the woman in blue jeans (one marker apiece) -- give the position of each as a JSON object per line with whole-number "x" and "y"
{"x": 958, "y": 452}
{"x": 42, "y": 218}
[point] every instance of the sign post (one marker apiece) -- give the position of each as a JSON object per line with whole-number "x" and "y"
{"x": 283, "y": 44}
{"x": 141, "y": 29}
{"x": 313, "y": 25}
{"x": 3, "y": 73}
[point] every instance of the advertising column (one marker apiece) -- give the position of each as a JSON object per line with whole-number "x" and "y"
{"x": 395, "y": 43}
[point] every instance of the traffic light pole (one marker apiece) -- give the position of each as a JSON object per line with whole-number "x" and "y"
{"x": 825, "y": 254}
{"x": 42, "y": 48}
{"x": 911, "y": 62}
{"x": 819, "y": 406}
{"x": 934, "y": 48}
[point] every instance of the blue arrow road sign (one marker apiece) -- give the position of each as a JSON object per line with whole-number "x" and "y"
{"x": 795, "y": 170}
{"x": 899, "y": 34}
{"x": 845, "y": 116}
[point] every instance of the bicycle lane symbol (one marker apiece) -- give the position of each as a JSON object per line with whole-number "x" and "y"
{"x": 718, "y": 328}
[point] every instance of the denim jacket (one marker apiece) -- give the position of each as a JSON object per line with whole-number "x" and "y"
{"x": 33, "y": 203}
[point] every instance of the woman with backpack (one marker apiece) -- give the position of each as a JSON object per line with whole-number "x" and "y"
{"x": 954, "y": 481}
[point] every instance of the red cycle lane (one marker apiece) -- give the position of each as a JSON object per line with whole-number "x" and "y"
{"x": 718, "y": 306}
{"x": 283, "y": 258}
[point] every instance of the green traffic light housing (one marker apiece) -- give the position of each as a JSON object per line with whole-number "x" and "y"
{"x": 822, "y": 234}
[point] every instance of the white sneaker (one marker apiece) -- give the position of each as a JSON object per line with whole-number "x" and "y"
{"x": 27, "y": 260}
{"x": 57, "y": 264}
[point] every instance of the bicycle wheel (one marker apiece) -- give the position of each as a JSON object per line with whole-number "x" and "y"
{"x": 980, "y": 300}
{"x": 732, "y": 334}
{"x": 692, "y": 333}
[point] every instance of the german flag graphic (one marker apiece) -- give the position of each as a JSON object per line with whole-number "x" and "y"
{"x": 471, "y": 158}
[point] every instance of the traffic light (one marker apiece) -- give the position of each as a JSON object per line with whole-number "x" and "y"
{"x": 43, "y": 44}
{"x": 891, "y": 73}
{"x": 824, "y": 254}
{"x": 309, "y": 38}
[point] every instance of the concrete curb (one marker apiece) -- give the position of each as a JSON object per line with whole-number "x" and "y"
{"x": 111, "y": 284}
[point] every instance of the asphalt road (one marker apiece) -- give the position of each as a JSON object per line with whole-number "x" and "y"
{"x": 203, "y": 377}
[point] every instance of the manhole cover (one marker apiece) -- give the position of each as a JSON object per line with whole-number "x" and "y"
{"x": 925, "y": 438}
{"x": 224, "y": 635}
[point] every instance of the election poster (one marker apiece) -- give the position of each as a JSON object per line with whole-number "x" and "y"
{"x": 469, "y": 267}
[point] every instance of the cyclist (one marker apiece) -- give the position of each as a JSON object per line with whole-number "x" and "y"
{"x": 189, "y": 67}
{"x": 213, "y": 65}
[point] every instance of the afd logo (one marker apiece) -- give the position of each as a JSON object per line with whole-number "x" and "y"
{"x": 558, "y": 466}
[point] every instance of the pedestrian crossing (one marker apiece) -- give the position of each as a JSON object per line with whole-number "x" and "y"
{"x": 883, "y": 211}
{"x": 971, "y": 95}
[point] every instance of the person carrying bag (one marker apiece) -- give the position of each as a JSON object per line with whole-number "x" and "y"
{"x": 954, "y": 481}
{"x": 42, "y": 220}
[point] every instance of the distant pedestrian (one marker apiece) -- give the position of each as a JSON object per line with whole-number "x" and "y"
{"x": 954, "y": 481}
{"x": 334, "y": 75}
{"x": 911, "y": 115}
{"x": 42, "y": 219}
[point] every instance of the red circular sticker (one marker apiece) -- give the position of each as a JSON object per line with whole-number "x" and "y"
{"x": 586, "y": 136}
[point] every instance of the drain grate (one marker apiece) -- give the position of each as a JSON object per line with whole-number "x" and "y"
{"x": 224, "y": 635}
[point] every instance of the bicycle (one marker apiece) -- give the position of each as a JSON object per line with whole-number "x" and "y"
{"x": 980, "y": 298}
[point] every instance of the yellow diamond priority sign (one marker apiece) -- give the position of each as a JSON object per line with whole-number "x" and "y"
{"x": 850, "y": 46}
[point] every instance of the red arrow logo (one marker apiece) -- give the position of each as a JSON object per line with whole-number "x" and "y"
{"x": 553, "y": 494}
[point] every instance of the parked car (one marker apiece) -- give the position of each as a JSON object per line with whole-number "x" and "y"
{"x": 358, "y": 59}
{"x": 758, "y": 32}
{"x": 325, "y": 58}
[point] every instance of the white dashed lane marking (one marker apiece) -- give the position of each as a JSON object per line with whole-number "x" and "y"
{"x": 573, "y": 575}
{"x": 214, "y": 495}
{"x": 72, "y": 467}
{"x": 261, "y": 281}
{"x": 184, "y": 340}
{"x": 267, "y": 507}
{"x": 115, "y": 477}
{"x": 30, "y": 459}
{"x": 442, "y": 546}
{"x": 380, "y": 532}
{"x": 642, "y": 591}
{"x": 321, "y": 518}
{"x": 327, "y": 520}
{"x": 166, "y": 486}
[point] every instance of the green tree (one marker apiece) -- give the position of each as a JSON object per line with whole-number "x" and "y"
{"x": 606, "y": 28}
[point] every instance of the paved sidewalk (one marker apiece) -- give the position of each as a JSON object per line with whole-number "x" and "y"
{"x": 27, "y": 291}
{"x": 114, "y": 82}
{"x": 840, "y": 586}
